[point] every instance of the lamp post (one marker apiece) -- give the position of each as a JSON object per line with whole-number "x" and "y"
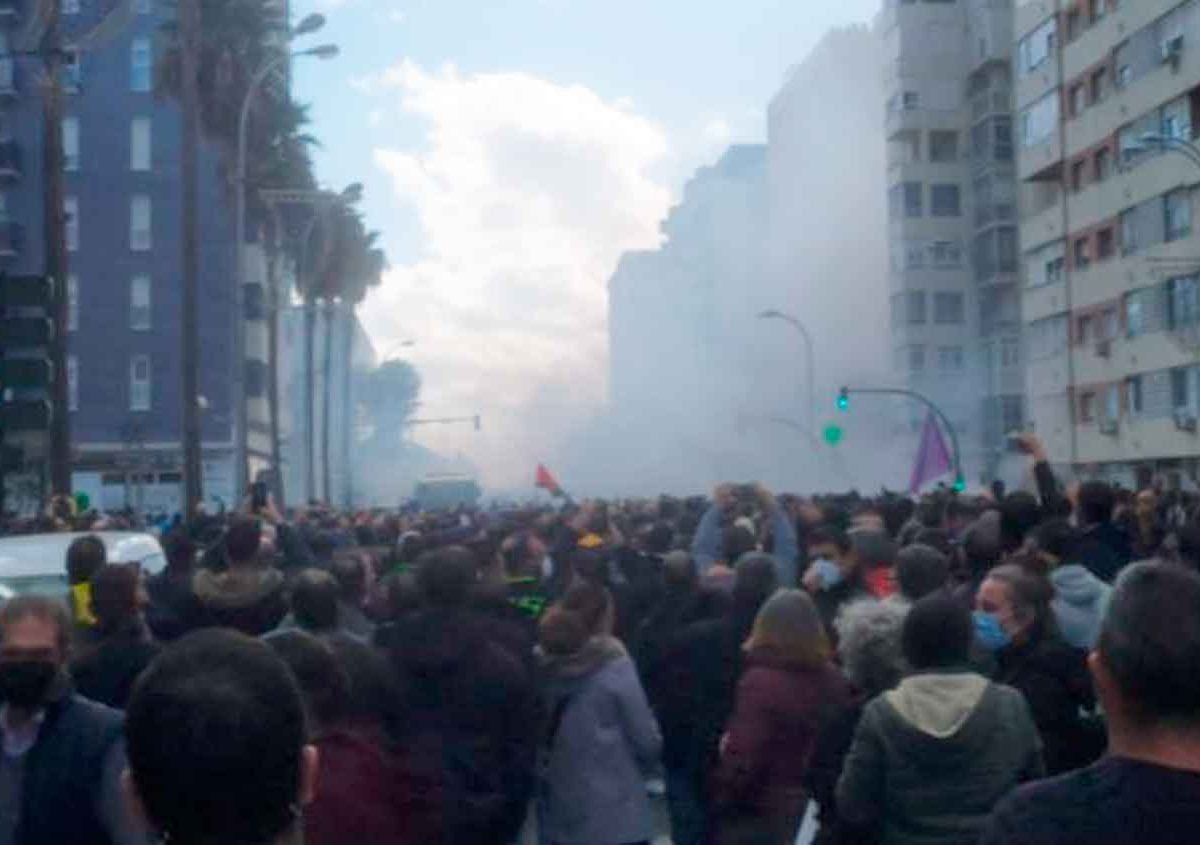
{"x": 960, "y": 483}
{"x": 310, "y": 24}
{"x": 396, "y": 347}
{"x": 1172, "y": 144}
{"x": 811, "y": 364}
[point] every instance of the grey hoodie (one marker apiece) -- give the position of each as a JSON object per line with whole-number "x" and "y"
{"x": 1080, "y": 602}
{"x": 931, "y": 758}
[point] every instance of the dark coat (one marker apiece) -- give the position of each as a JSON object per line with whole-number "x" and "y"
{"x": 1104, "y": 549}
{"x": 781, "y": 708}
{"x": 106, "y": 672}
{"x": 173, "y": 605}
{"x": 64, "y": 772}
{"x": 830, "y": 602}
{"x": 365, "y": 795}
{"x": 472, "y": 720}
{"x": 1054, "y": 679}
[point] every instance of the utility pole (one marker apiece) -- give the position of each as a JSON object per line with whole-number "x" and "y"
{"x": 189, "y": 35}
{"x": 56, "y": 256}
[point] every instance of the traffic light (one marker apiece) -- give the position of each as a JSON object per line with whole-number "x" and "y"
{"x": 960, "y": 484}
{"x": 833, "y": 434}
{"x": 843, "y": 400}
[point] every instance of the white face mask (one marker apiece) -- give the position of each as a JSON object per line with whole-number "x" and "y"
{"x": 828, "y": 572}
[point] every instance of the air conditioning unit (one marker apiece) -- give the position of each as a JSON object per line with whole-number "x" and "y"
{"x": 1172, "y": 50}
{"x": 1109, "y": 427}
{"x": 1185, "y": 420}
{"x": 1104, "y": 349}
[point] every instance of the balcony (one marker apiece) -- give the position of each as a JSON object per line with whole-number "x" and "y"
{"x": 10, "y": 161}
{"x": 10, "y": 239}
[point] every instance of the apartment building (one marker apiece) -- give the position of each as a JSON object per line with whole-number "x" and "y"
{"x": 1107, "y": 93}
{"x": 955, "y": 308}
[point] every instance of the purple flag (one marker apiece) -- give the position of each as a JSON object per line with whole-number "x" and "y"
{"x": 933, "y": 458}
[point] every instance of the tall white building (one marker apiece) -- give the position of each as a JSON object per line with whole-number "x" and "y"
{"x": 952, "y": 215}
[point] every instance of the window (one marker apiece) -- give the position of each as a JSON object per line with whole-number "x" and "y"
{"x": 1135, "y": 314}
{"x": 1078, "y": 99}
{"x": 1181, "y": 394}
{"x": 943, "y": 146}
{"x": 140, "y": 65}
{"x": 945, "y": 201}
{"x": 916, "y": 307}
{"x": 72, "y": 383}
{"x": 1036, "y": 48}
{"x": 1087, "y": 407}
{"x": 139, "y": 303}
{"x": 946, "y": 254}
{"x": 71, "y": 213}
{"x": 914, "y": 256}
{"x": 1087, "y": 329}
{"x": 916, "y": 357}
{"x": 1109, "y": 325}
{"x": 1083, "y": 255}
{"x": 72, "y": 69}
{"x": 1099, "y": 85}
{"x": 906, "y": 200}
{"x": 1112, "y": 402}
{"x": 1047, "y": 337}
{"x": 1003, "y": 136}
{"x": 1183, "y": 302}
{"x": 1103, "y": 164}
{"x": 72, "y": 303}
{"x": 139, "y": 144}
{"x": 1055, "y": 269}
{"x": 69, "y": 7}
{"x": 910, "y": 100}
{"x": 1175, "y": 121}
{"x": 1134, "y": 397}
{"x": 144, "y": 7}
{"x": 1039, "y": 122}
{"x": 140, "y": 237}
{"x": 70, "y": 143}
{"x": 948, "y": 308}
{"x": 139, "y": 383}
{"x": 1074, "y": 24}
{"x": 1105, "y": 244}
{"x": 1010, "y": 351}
{"x": 1078, "y": 177}
{"x": 1178, "y": 206}
{"x": 950, "y": 359}
{"x": 1129, "y": 232}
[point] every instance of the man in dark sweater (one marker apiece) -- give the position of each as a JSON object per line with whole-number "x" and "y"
{"x": 1148, "y": 787}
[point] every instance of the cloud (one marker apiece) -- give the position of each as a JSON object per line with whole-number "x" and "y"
{"x": 526, "y": 193}
{"x": 717, "y": 131}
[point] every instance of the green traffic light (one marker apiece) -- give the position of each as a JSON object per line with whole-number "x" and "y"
{"x": 833, "y": 434}
{"x": 960, "y": 486}
{"x": 843, "y": 400}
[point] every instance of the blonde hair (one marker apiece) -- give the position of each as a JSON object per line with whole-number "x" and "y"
{"x": 788, "y": 627}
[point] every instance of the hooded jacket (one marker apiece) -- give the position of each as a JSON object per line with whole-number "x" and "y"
{"x": 247, "y": 599}
{"x": 605, "y": 742}
{"x": 1080, "y": 601}
{"x": 931, "y": 758}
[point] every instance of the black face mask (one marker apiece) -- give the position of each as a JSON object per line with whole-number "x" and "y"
{"x": 25, "y": 683}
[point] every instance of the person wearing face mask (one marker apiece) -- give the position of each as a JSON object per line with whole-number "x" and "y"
{"x": 834, "y": 577}
{"x": 1015, "y": 624}
{"x": 62, "y": 755}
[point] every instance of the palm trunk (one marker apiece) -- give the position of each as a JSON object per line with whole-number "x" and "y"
{"x": 327, "y": 402}
{"x": 348, "y": 409}
{"x": 310, "y": 331}
{"x": 189, "y": 345}
{"x": 274, "y": 301}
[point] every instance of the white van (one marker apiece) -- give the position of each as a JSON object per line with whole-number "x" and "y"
{"x": 37, "y": 563}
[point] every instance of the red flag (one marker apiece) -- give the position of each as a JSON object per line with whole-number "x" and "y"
{"x": 933, "y": 458}
{"x": 547, "y": 482}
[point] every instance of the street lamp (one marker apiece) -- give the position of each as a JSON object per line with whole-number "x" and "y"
{"x": 1171, "y": 143}
{"x": 773, "y": 314}
{"x": 308, "y": 25}
{"x": 396, "y": 347}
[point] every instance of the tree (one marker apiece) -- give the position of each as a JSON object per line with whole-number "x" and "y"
{"x": 389, "y": 400}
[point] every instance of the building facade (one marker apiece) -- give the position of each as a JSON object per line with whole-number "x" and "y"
{"x": 123, "y": 208}
{"x": 1107, "y": 97}
{"x": 954, "y": 297}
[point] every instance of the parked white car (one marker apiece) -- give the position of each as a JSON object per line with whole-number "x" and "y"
{"x": 37, "y": 563}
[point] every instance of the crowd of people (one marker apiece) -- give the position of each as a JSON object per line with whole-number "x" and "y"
{"x": 1015, "y": 667}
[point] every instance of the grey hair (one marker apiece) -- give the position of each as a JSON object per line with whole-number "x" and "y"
{"x": 869, "y": 643}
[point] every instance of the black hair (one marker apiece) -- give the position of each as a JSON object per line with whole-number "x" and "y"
{"x": 735, "y": 542}
{"x": 937, "y": 633}
{"x": 315, "y": 600}
{"x": 351, "y": 572}
{"x": 1019, "y": 513}
{"x": 756, "y": 578}
{"x": 935, "y": 538}
{"x": 446, "y": 576}
{"x": 829, "y": 535}
{"x": 1056, "y": 537}
{"x": 921, "y": 570}
{"x": 243, "y": 539}
{"x": 1096, "y": 502}
{"x": 214, "y": 735}
{"x": 322, "y": 682}
{"x": 115, "y": 596}
{"x": 1031, "y": 594}
{"x": 658, "y": 538}
{"x": 85, "y": 556}
{"x": 1187, "y": 538}
{"x": 1150, "y": 642}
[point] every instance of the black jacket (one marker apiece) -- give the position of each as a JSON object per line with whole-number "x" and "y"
{"x": 250, "y": 600}
{"x": 106, "y": 672}
{"x": 64, "y": 772}
{"x": 1104, "y": 549}
{"x": 1054, "y": 680}
{"x": 471, "y": 710}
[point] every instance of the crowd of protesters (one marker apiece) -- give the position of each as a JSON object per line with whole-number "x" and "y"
{"x": 1005, "y": 668}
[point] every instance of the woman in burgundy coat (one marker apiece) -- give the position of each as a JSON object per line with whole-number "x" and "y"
{"x": 788, "y": 691}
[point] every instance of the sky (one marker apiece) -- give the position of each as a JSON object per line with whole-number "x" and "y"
{"x": 511, "y": 150}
